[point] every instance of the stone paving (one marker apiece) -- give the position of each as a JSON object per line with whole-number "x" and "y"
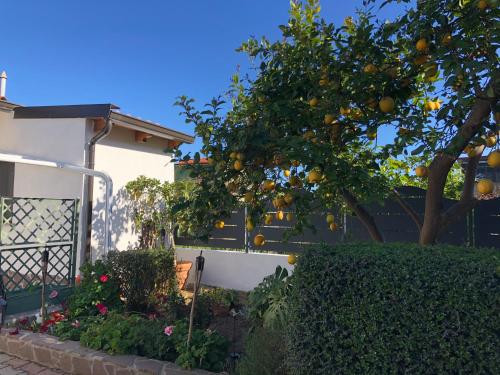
{"x": 14, "y": 366}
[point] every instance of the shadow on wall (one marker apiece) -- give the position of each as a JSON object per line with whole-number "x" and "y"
{"x": 121, "y": 215}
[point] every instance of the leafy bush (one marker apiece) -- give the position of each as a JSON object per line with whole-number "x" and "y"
{"x": 364, "y": 308}
{"x": 264, "y": 354}
{"x": 267, "y": 303}
{"x": 221, "y": 296}
{"x": 142, "y": 274}
{"x": 208, "y": 349}
{"x": 97, "y": 289}
{"x": 203, "y": 313}
{"x": 133, "y": 334}
{"x": 171, "y": 305}
{"x": 72, "y": 329}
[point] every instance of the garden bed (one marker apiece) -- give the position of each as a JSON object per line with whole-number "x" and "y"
{"x": 129, "y": 304}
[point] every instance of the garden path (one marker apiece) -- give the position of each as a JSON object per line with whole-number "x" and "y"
{"x": 10, "y": 365}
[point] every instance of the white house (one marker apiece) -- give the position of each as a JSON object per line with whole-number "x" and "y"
{"x": 95, "y": 136}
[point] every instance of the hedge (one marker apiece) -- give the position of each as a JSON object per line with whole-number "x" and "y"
{"x": 393, "y": 309}
{"x": 141, "y": 274}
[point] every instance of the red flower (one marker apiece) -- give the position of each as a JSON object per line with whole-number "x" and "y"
{"x": 57, "y": 316}
{"x": 104, "y": 278}
{"x": 78, "y": 279}
{"x": 103, "y": 310}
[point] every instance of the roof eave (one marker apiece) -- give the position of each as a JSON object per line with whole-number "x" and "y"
{"x": 152, "y": 128}
{"x": 8, "y": 106}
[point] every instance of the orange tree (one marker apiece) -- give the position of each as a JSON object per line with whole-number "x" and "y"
{"x": 304, "y": 130}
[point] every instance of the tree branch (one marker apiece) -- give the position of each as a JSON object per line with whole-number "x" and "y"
{"x": 408, "y": 209}
{"x": 363, "y": 215}
{"x": 467, "y": 200}
{"x": 470, "y": 174}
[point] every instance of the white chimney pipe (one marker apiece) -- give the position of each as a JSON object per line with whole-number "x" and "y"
{"x": 3, "y": 85}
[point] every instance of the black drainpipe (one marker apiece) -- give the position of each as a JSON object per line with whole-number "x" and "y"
{"x": 103, "y": 133}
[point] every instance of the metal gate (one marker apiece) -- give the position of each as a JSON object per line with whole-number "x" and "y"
{"x": 28, "y": 226}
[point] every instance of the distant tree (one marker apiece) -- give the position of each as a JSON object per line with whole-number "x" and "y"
{"x": 155, "y": 206}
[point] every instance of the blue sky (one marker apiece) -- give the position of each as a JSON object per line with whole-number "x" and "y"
{"x": 139, "y": 55}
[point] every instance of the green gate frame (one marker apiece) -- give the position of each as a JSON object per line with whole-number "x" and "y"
{"x": 27, "y": 227}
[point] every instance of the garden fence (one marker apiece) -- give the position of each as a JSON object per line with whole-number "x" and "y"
{"x": 480, "y": 228}
{"x": 27, "y": 227}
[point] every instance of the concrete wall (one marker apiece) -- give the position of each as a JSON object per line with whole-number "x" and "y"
{"x": 232, "y": 269}
{"x": 125, "y": 160}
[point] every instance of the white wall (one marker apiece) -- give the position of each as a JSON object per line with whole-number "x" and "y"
{"x": 52, "y": 139}
{"x": 124, "y": 160}
{"x": 232, "y": 269}
{"x": 49, "y": 139}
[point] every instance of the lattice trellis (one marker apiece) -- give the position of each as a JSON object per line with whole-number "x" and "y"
{"x": 29, "y": 226}
{"x": 34, "y": 221}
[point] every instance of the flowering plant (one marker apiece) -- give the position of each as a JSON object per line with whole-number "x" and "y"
{"x": 97, "y": 294}
{"x": 103, "y": 278}
{"x": 169, "y": 330}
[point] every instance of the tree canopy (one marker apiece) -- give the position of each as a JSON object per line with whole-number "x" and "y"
{"x": 303, "y": 129}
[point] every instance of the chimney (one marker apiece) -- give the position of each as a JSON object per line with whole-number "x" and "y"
{"x": 3, "y": 85}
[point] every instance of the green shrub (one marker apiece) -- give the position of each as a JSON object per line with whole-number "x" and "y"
{"x": 264, "y": 353}
{"x": 221, "y": 296}
{"x": 142, "y": 274}
{"x": 207, "y": 350}
{"x": 97, "y": 286}
{"x": 73, "y": 329}
{"x": 380, "y": 309}
{"x": 133, "y": 334}
{"x": 203, "y": 313}
{"x": 171, "y": 305}
{"x": 267, "y": 303}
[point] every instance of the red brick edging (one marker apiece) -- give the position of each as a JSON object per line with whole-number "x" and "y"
{"x": 71, "y": 357}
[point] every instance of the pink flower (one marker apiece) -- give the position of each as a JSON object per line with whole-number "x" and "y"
{"x": 75, "y": 324}
{"x": 53, "y": 294}
{"x": 169, "y": 330}
{"x": 103, "y": 278}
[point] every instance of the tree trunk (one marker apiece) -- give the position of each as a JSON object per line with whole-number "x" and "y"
{"x": 363, "y": 215}
{"x": 169, "y": 242}
{"x": 434, "y": 219}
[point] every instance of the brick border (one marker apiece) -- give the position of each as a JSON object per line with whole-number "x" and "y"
{"x": 71, "y": 357}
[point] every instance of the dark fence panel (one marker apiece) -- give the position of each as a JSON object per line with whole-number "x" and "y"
{"x": 487, "y": 223}
{"x": 276, "y": 232}
{"x": 232, "y": 236}
{"x": 480, "y": 228}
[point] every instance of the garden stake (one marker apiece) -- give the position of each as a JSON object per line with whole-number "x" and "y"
{"x": 3, "y": 300}
{"x": 200, "y": 264}
{"x": 45, "y": 263}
